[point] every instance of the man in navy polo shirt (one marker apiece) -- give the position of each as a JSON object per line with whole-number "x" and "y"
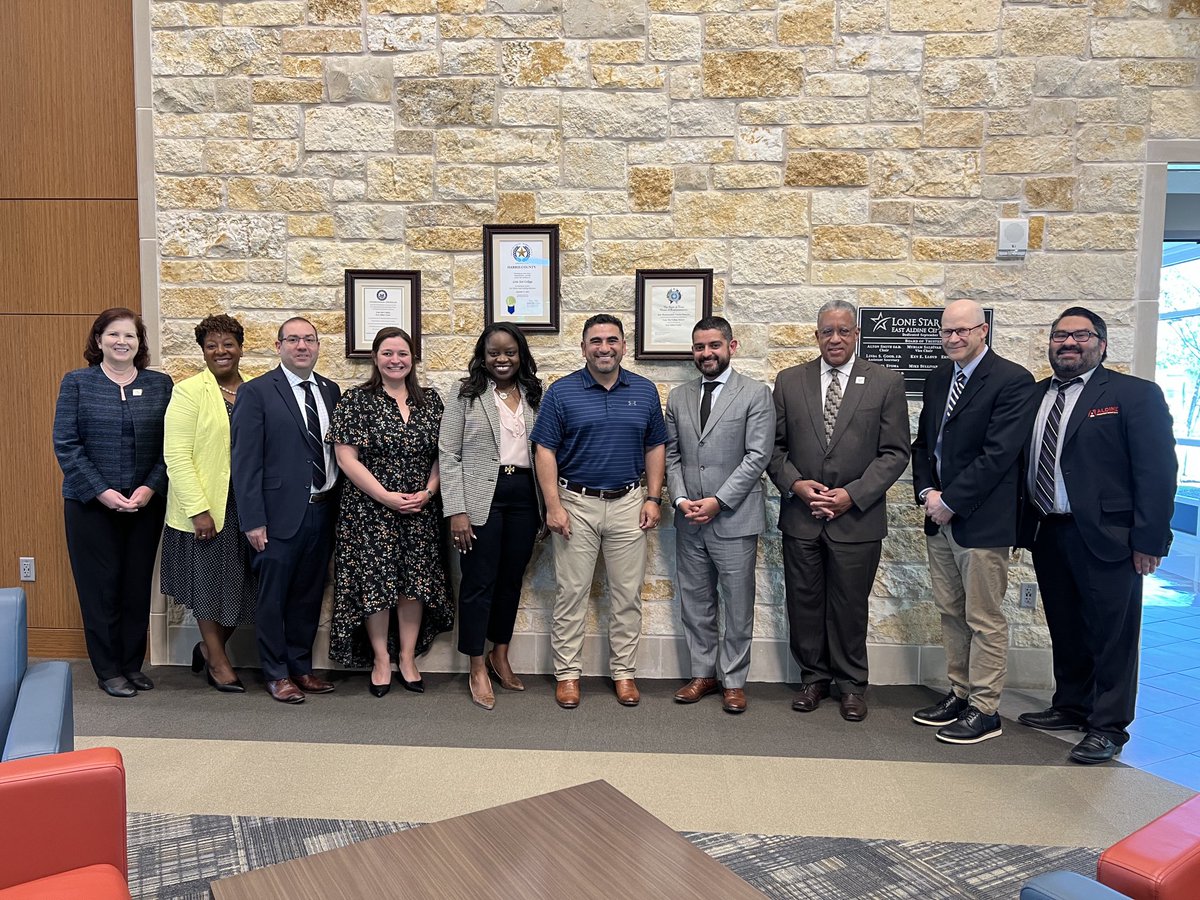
{"x": 598, "y": 431}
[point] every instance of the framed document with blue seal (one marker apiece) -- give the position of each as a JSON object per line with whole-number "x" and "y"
{"x": 381, "y": 298}
{"x": 668, "y": 303}
{"x": 520, "y": 276}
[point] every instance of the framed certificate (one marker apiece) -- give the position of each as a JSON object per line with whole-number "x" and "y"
{"x": 520, "y": 276}
{"x": 379, "y": 298}
{"x": 669, "y": 303}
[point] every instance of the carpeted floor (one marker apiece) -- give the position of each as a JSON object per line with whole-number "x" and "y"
{"x": 173, "y": 857}
{"x": 183, "y": 706}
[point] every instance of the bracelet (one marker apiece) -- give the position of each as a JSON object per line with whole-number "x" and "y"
{"x": 657, "y": 500}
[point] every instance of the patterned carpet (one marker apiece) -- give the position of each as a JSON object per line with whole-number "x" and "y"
{"x": 173, "y": 857}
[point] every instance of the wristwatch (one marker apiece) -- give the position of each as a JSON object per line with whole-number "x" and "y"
{"x": 657, "y": 500}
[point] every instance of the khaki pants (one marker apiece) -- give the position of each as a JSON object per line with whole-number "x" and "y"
{"x": 968, "y": 590}
{"x": 611, "y": 527}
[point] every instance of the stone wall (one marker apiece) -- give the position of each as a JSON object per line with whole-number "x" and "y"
{"x": 803, "y": 149}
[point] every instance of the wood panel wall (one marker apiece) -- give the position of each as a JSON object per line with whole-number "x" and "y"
{"x": 68, "y": 248}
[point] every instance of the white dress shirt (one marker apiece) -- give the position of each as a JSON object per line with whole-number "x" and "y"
{"x": 323, "y": 417}
{"x": 1062, "y": 505}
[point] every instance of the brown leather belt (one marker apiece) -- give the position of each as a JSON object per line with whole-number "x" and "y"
{"x": 321, "y": 497}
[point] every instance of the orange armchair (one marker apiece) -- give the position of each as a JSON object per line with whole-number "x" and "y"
{"x": 62, "y": 829}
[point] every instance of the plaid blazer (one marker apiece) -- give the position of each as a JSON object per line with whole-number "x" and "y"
{"x": 469, "y": 456}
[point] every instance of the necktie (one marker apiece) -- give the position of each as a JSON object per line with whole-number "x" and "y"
{"x": 833, "y": 402}
{"x": 312, "y": 434}
{"x": 706, "y": 401}
{"x": 956, "y": 389}
{"x": 1043, "y": 495}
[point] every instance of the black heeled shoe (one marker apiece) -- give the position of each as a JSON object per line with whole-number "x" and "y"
{"x": 198, "y": 657}
{"x": 233, "y": 687}
{"x": 379, "y": 690}
{"x": 417, "y": 687}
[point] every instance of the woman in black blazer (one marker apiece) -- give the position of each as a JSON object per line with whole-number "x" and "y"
{"x": 108, "y": 437}
{"x": 491, "y": 498}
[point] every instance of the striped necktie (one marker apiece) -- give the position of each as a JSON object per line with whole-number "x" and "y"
{"x": 833, "y": 402}
{"x": 1043, "y": 495}
{"x": 956, "y": 389}
{"x": 312, "y": 434}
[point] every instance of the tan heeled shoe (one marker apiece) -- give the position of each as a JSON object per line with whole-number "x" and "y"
{"x": 509, "y": 684}
{"x": 482, "y": 700}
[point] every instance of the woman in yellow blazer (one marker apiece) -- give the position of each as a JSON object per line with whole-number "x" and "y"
{"x": 205, "y": 556}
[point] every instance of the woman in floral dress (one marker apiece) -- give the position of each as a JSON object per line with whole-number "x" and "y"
{"x": 388, "y": 554}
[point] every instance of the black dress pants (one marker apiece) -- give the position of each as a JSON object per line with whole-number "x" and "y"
{"x": 291, "y": 582}
{"x": 490, "y": 590}
{"x": 1094, "y": 613}
{"x": 112, "y": 558}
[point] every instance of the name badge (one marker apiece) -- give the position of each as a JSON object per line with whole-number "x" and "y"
{"x": 137, "y": 392}
{"x": 860, "y": 380}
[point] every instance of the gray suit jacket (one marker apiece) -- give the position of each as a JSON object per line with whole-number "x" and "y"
{"x": 728, "y": 458}
{"x": 867, "y": 452}
{"x": 469, "y": 455}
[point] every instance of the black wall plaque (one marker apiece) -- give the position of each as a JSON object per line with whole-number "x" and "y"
{"x": 906, "y": 339}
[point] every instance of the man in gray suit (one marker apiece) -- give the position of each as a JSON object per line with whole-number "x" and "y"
{"x": 719, "y": 432}
{"x": 841, "y": 440}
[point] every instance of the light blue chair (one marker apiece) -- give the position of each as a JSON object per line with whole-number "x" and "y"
{"x": 1067, "y": 886}
{"x": 36, "y": 715}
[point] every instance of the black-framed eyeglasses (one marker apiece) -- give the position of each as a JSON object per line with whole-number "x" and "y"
{"x": 958, "y": 332}
{"x": 1082, "y": 336}
{"x": 292, "y": 340}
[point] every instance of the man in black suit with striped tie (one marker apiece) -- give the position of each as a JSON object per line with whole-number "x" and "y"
{"x": 1101, "y": 490}
{"x": 285, "y": 478}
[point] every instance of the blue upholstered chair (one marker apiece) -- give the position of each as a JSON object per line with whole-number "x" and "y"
{"x": 1067, "y": 886}
{"x": 35, "y": 701}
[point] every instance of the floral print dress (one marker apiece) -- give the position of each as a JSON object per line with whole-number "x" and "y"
{"x": 381, "y": 555}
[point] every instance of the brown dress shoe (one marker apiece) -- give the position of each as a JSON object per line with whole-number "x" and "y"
{"x": 627, "y": 691}
{"x": 285, "y": 691}
{"x": 735, "y": 700}
{"x": 853, "y": 707}
{"x": 566, "y": 693}
{"x": 311, "y": 684}
{"x": 810, "y": 696}
{"x": 697, "y": 688}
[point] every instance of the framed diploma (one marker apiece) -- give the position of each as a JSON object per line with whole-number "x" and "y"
{"x": 669, "y": 302}
{"x": 379, "y": 298}
{"x": 520, "y": 276}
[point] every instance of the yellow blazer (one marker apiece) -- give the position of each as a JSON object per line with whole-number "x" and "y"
{"x": 196, "y": 448}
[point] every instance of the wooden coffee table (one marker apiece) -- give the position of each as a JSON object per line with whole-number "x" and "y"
{"x": 585, "y": 841}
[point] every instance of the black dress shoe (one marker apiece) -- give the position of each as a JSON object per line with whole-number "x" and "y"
{"x": 973, "y": 727}
{"x": 378, "y": 690}
{"x": 233, "y": 687}
{"x": 1095, "y": 748}
{"x": 810, "y": 696}
{"x": 1050, "y": 720}
{"x": 198, "y": 656}
{"x": 139, "y": 681}
{"x": 417, "y": 687}
{"x": 117, "y": 687}
{"x": 945, "y": 711}
{"x": 853, "y": 707}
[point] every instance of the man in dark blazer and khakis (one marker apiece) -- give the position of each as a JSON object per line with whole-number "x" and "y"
{"x": 841, "y": 440}
{"x": 967, "y": 478}
{"x": 719, "y": 432}
{"x": 284, "y": 477}
{"x": 1097, "y": 515}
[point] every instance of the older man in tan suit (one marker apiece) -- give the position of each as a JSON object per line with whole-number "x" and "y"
{"x": 841, "y": 440}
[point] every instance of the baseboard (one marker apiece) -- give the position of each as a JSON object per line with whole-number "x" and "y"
{"x": 659, "y": 656}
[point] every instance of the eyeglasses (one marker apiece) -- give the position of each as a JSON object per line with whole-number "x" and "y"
{"x": 830, "y": 332}
{"x": 948, "y": 333}
{"x": 292, "y": 340}
{"x": 1083, "y": 336}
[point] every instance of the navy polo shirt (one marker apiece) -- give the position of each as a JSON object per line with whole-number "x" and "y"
{"x": 600, "y": 437}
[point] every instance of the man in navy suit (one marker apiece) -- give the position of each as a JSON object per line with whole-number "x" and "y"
{"x": 284, "y": 477}
{"x": 1097, "y": 515}
{"x": 966, "y": 476}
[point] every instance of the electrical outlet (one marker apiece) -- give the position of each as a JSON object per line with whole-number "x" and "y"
{"x": 28, "y": 570}
{"x": 1028, "y": 595}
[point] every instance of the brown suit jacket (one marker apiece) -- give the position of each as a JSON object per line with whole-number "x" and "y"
{"x": 867, "y": 452}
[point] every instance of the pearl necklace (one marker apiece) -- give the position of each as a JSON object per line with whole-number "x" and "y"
{"x": 226, "y": 390}
{"x": 107, "y": 370}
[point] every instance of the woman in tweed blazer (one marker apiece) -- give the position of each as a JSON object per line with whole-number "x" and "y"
{"x": 491, "y": 498}
{"x": 108, "y": 437}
